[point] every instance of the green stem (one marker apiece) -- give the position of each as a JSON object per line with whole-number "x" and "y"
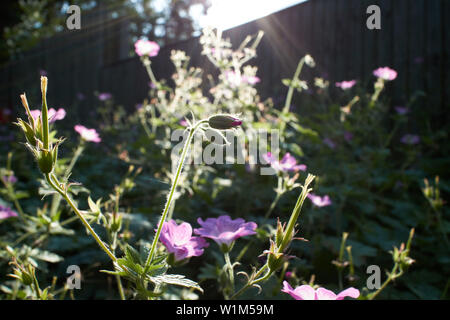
{"x": 80, "y": 216}
{"x": 273, "y": 205}
{"x": 230, "y": 270}
{"x": 295, "y": 214}
{"x": 146, "y": 61}
{"x": 172, "y": 191}
{"x": 384, "y": 285}
{"x": 57, "y": 197}
{"x": 250, "y": 283}
{"x": 289, "y": 95}
{"x": 36, "y": 288}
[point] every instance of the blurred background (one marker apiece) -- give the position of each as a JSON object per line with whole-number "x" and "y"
{"x": 100, "y": 56}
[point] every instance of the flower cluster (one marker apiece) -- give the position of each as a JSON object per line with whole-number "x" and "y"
{"x": 181, "y": 245}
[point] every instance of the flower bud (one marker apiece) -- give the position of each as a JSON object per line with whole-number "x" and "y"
{"x": 45, "y": 161}
{"x": 223, "y": 122}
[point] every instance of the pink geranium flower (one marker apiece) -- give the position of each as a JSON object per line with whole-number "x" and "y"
{"x": 385, "y": 73}
{"x": 344, "y": 85}
{"x": 319, "y": 201}
{"x": 306, "y": 292}
{"x": 288, "y": 163}
{"x": 53, "y": 115}
{"x": 86, "y": 134}
{"x": 179, "y": 241}
{"x": 145, "y": 47}
{"x": 6, "y": 213}
{"x": 224, "y": 231}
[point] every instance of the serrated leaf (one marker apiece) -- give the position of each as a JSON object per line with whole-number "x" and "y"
{"x": 175, "y": 279}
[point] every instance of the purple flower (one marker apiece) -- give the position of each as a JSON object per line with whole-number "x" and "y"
{"x": 145, "y": 47}
{"x": 288, "y": 163}
{"x": 224, "y": 231}
{"x": 9, "y": 179}
{"x": 306, "y": 292}
{"x": 6, "y": 213}
{"x": 329, "y": 143}
{"x": 104, "y": 96}
{"x": 344, "y": 85}
{"x": 410, "y": 139}
{"x": 402, "y": 110}
{"x": 87, "y": 134}
{"x": 319, "y": 201}
{"x": 179, "y": 241}
{"x": 348, "y": 136}
{"x": 42, "y": 73}
{"x": 385, "y": 73}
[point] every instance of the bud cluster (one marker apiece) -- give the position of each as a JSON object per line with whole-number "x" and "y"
{"x": 37, "y": 133}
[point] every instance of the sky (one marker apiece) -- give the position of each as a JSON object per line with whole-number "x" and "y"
{"x": 225, "y": 14}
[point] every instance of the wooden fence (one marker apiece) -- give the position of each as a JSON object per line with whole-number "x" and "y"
{"x": 413, "y": 40}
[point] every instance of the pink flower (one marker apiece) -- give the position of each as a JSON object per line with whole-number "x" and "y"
{"x": 251, "y": 79}
{"x": 53, "y": 115}
{"x": 184, "y": 123}
{"x": 87, "y": 134}
{"x": 410, "y": 139}
{"x": 35, "y": 114}
{"x": 344, "y": 85}
{"x": 224, "y": 231}
{"x": 145, "y": 47}
{"x": 104, "y": 96}
{"x": 6, "y": 213}
{"x": 385, "y": 73}
{"x": 306, "y": 292}
{"x": 288, "y": 163}
{"x": 179, "y": 241}
{"x": 319, "y": 201}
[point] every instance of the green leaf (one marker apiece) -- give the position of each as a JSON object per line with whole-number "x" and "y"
{"x": 175, "y": 279}
{"x": 46, "y": 255}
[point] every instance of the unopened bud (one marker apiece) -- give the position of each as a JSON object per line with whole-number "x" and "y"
{"x": 223, "y": 122}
